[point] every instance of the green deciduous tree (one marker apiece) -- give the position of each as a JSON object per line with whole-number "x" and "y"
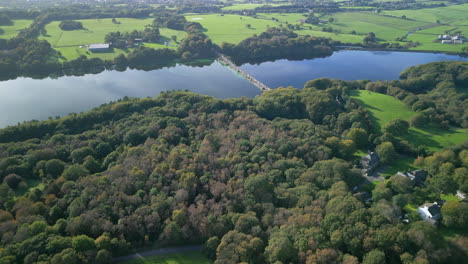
{"x": 386, "y": 152}
{"x": 83, "y": 243}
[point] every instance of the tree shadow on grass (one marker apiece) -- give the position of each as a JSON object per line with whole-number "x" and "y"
{"x": 375, "y": 120}
{"x": 419, "y": 139}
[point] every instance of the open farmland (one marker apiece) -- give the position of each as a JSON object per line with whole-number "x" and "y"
{"x": 449, "y": 14}
{"x": 385, "y": 28}
{"x": 12, "y": 30}
{"x": 351, "y": 27}
{"x": 427, "y": 43}
{"x": 231, "y": 28}
{"x": 95, "y": 30}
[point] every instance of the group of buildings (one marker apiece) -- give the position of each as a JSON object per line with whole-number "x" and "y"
{"x": 429, "y": 212}
{"x": 452, "y": 39}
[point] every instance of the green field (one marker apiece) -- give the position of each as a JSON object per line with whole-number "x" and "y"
{"x": 231, "y": 28}
{"x": 386, "y": 27}
{"x": 12, "y": 31}
{"x": 385, "y": 108}
{"x": 94, "y": 31}
{"x": 68, "y": 42}
{"x": 180, "y": 258}
{"x": 427, "y": 43}
{"x": 349, "y": 27}
{"x": 449, "y": 14}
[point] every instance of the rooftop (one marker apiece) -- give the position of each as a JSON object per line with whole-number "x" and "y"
{"x": 99, "y": 46}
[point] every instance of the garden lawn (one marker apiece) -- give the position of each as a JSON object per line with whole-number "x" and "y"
{"x": 13, "y": 30}
{"x": 384, "y": 108}
{"x": 181, "y": 258}
{"x": 402, "y": 163}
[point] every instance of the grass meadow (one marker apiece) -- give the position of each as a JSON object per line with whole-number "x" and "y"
{"x": 350, "y": 27}
{"x": 12, "y": 30}
{"x": 68, "y": 42}
{"x": 385, "y": 108}
{"x": 231, "y": 28}
{"x": 94, "y": 31}
{"x": 450, "y": 14}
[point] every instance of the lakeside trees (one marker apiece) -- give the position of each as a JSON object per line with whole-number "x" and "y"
{"x": 277, "y": 43}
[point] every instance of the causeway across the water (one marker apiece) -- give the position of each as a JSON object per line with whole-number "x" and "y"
{"x": 224, "y": 60}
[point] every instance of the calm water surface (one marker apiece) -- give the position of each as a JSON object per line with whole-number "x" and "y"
{"x": 27, "y": 99}
{"x": 344, "y": 65}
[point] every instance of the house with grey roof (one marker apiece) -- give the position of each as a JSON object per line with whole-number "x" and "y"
{"x": 369, "y": 163}
{"x": 417, "y": 177}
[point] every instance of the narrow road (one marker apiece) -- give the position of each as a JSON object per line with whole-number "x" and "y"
{"x": 156, "y": 252}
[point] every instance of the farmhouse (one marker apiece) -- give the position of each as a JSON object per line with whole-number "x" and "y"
{"x": 451, "y": 39}
{"x": 430, "y": 212}
{"x": 98, "y": 47}
{"x": 444, "y": 37}
{"x": 369, "y": 163}
{"x": 417, "y": 177}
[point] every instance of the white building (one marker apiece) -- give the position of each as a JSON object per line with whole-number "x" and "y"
{"x": 430, "y": 212}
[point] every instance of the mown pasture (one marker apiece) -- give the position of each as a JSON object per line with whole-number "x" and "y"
{"x": 385, "y": 108}
{"x": 11, "y": 31}
{"x": 351, "y": 27}
{"x": 450, "y": 14}
{"x": 231, "y": 28}
{"x": 68, "y": 42}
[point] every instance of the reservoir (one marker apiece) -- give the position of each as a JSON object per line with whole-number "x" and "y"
{"x": 25, "y": 99}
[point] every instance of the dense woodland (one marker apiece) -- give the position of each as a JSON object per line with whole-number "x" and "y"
{"x": 262, "y": 180}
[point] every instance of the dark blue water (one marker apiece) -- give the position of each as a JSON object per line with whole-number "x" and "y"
{"x": 26, "y": 99}
{"x": 345, "y": 65}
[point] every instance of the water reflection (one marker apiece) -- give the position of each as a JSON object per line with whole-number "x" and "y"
{"x": 345, "y": 65}
{"x": 26, "y": 99}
